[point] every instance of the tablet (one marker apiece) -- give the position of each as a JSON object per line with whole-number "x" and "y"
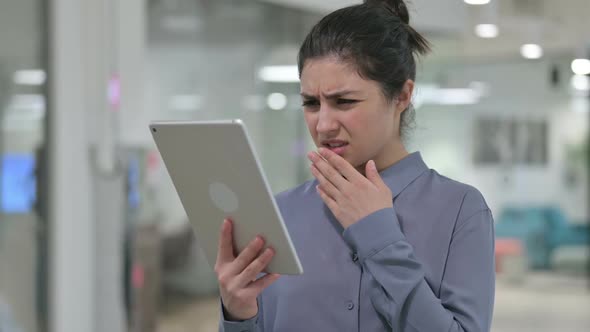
{"x": 217, "y": 174}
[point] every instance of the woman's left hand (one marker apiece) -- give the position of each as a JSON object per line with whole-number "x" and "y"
{"x": 347, "y": 193}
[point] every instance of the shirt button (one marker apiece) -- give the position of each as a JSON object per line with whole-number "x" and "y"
{"x": 350, "y": 305}
{"x": 355, "y": 257}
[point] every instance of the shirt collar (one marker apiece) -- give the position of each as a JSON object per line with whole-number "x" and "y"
{"x": 399, "y": 175}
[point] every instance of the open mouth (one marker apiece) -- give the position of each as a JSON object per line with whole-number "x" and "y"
{"x": 336, "y": 146}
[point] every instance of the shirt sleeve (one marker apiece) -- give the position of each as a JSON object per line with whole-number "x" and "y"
{"x": 253, "y": 324}
{"x": 399, "y": 291}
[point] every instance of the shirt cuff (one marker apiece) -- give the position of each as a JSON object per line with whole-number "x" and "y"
{"x": 248, "y": 325}
{"x": 373, "y": 233}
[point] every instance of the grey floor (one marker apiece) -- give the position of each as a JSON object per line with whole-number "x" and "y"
{"x": 18, "y": 255}
{"x": 545, "y": 302}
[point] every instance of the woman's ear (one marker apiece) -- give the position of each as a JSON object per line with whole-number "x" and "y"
{"x": 404, "y": 98}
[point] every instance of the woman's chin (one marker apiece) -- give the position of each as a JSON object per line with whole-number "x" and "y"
{"x": 358, "y": 165}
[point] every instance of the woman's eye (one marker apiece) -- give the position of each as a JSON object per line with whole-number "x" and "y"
{"x": 346, "y": 101}
{"x": 308, "y": 103}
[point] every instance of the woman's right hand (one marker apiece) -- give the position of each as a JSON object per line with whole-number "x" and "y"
{"x": 236, "y": 276}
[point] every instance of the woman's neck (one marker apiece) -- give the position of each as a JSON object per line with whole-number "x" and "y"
{"x": 393, "y": 154}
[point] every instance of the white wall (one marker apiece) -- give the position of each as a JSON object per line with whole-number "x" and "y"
{"x": 218, "y": 63}
{"x": 21, "y": 35}
{"x": 222, "y": 82}
{"x": 20, "y": 31}
{"x": 444, "y": 134}
{"x": 211, "y": 68}
{"x": 518, "y": 90}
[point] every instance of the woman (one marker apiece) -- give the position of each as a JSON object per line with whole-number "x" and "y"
{"x": 386, "y": 243}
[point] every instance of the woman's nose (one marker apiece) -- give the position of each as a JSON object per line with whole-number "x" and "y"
{"x": 327, "y": 121}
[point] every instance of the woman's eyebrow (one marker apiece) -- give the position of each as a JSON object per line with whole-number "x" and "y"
{"x": 306, "y": 96}
{"x": 338, "y": 94}
{"x": 331, "y": 95}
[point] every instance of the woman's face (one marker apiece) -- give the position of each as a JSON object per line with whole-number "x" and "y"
{"x": 350, "y": 115}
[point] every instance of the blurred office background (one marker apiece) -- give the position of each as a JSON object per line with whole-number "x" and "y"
{"x": 92, "y": 234}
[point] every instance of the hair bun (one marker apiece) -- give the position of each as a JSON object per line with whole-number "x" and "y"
{"x": 418, "y": 43}
{"x": 397, "y": 7}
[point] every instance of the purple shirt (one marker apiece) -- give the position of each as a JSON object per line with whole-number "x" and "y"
{"x": 426, "y": 265}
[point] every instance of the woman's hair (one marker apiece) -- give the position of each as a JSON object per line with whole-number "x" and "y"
{"x": 375, "y": 37}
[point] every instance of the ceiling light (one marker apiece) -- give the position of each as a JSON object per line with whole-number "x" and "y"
{"x": 28, "y": 102}
{"x": 486, "y": 30}
{"x": 581, "y": 66}
{"x": 531, "y": 51}
{"x": 477, "y": 2}
{"x": 29, "y": 77}
{"x": 580, "y": 83}
{"x": 276, "y": 101}
{"x": 279, "y": 74}
{"x": 456, "y": 97}
{"x": 434, "y": 95}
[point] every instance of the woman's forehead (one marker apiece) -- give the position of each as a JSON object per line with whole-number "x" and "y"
{"x": 334, "y": 85}
{"x": 331, "y": 63}
{"x": 329, "y": 76}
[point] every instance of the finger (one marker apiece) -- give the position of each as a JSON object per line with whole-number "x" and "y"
{"x": 330, "y": 202}
{"x": 225, "y": 250}
{"x": 373, "y": 174}
{"x": 262, "y": 283}
{"x": 247, "y": 255}
{"x": 341, "y": 165}
{"x": 254, "y": 268}
{"x": 329, "y": 172}
{"x": 327, "y": 186}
